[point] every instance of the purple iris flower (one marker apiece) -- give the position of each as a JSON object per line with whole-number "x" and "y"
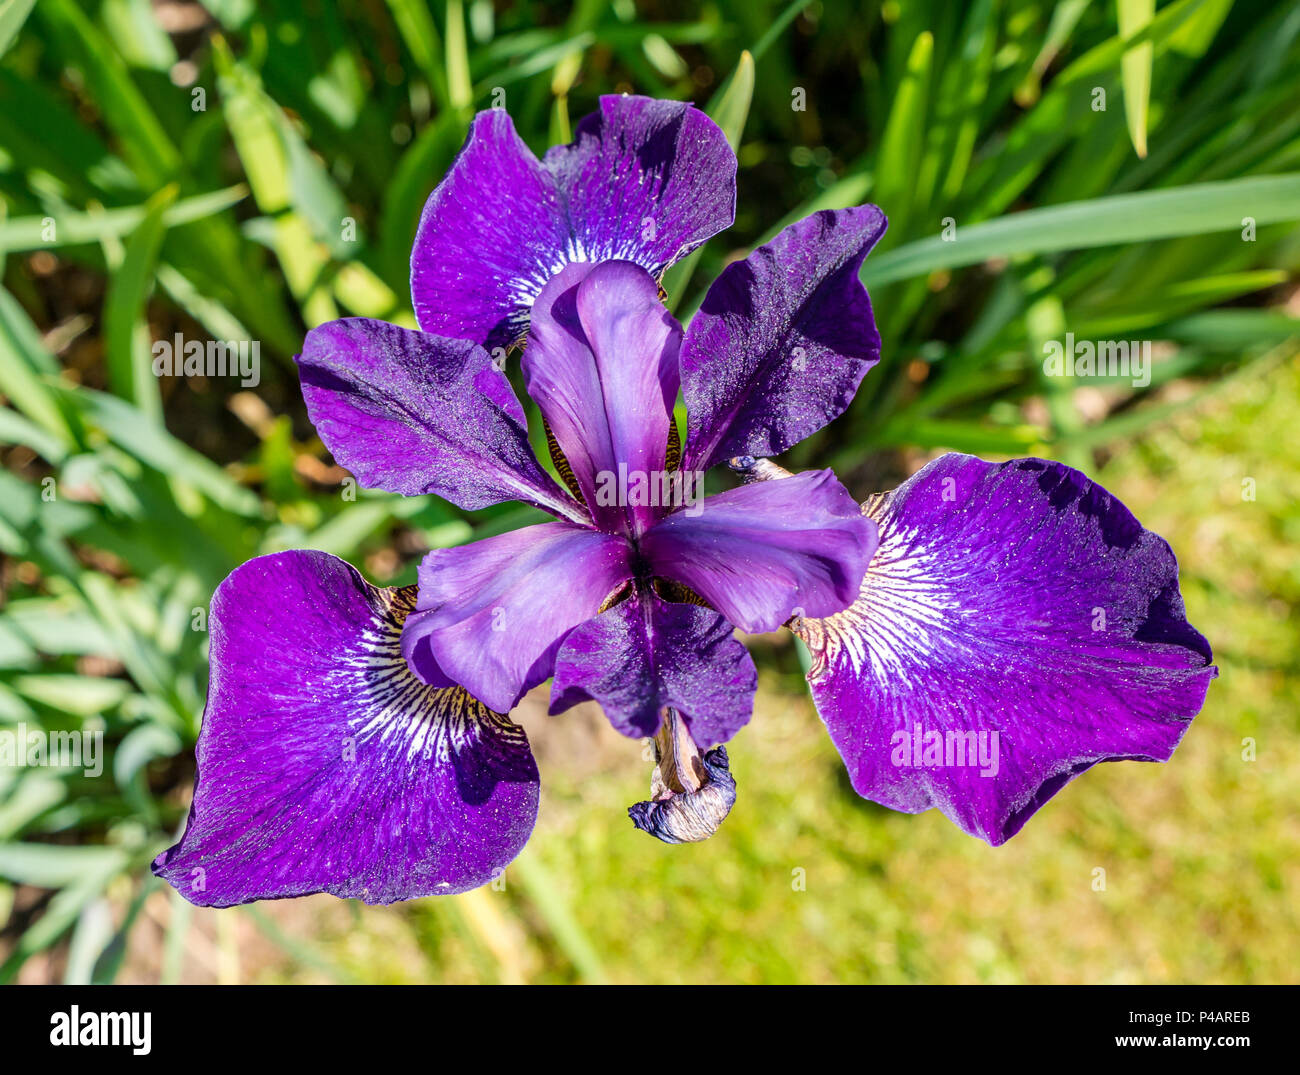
{"x": 979, "y": 636}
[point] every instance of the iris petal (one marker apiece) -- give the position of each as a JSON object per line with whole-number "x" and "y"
{"x": 413, "y": 413}
{"x": 646, "y": 653}
{"x": 491, "y": 234}
{"x": 782, "y": 340}
{"x": 1016, "y": 610}
{"x": 762, "y": 553}
{"x": 644, "y": 181}
{"x": 493, "y": 613}
{"x": 601, "y": 364}
{"x": 325, "y": 766}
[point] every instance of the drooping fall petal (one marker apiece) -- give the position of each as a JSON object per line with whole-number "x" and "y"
{"x": 324, "y": 765}
{"x": 1017, "y": 626}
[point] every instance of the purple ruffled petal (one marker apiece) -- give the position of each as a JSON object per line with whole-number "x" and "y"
{"x": 1016, "y": 627}
{"x": 325, "y": 766}
{"x": 782, "y": 340}
{"x": 646, "y": 653}
{"x": 413, "y": 413}
{"x": 491, "y": 234}
{"x": 762, "y": 553}
{"x": 645, "y": 181}
{"x": 601, "y": 364}
{"x": 492, "y": 614}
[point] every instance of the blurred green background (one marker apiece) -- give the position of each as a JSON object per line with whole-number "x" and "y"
{"x": 233, "y": 170}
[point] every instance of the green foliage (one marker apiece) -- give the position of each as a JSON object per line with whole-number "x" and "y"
{"x": 263, "y": 170}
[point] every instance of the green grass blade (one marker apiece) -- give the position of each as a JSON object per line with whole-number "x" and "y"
{"x": 23, "y": 369}
{"x": 418, "y": 31}
{"x": 70, "y": 229}
{"x": 258, "y": 129}
{"x": 126, "y": 337}
{"x": 152, "y": 444}
{"x": 13, "y": 13}
{"x": 1135, "y": 70}
{"x": 460, "y": 90}
{"x": 792, "y": 11}
{"x": 1122, "y": 218}
{"x": 901, "y": 144}
{"x": 145, "y": 142}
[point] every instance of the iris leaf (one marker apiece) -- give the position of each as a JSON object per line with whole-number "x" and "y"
{"x": 13, "y": 13}
{"x": 1135, "y": 69}
{"x": 28, "y": 233}
{"x": 1122, "y": 218}
{"x": 460, "y": 93}
{"x": 126, "y": 337}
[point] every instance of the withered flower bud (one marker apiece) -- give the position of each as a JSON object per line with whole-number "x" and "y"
{"x": 691, "y": 793}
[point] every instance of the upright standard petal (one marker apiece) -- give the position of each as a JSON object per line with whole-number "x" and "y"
{"x": 492, "y": 614}
{"x": 646, "y": 653}
{"x": 782, "y": 340}
{"x": 325, "y": 766}
{"x": 491, "y": 234}
{"x": 601, "y": 364}
{"x": 644, "y": 181}
{"x": 762, "y": 553}
{"x": 413, "y": 413}
{"x": 1017, "y": 626}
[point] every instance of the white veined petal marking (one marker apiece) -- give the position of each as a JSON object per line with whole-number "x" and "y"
{"x": 900, "y": 606}
{"x": 435, "y": 723}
